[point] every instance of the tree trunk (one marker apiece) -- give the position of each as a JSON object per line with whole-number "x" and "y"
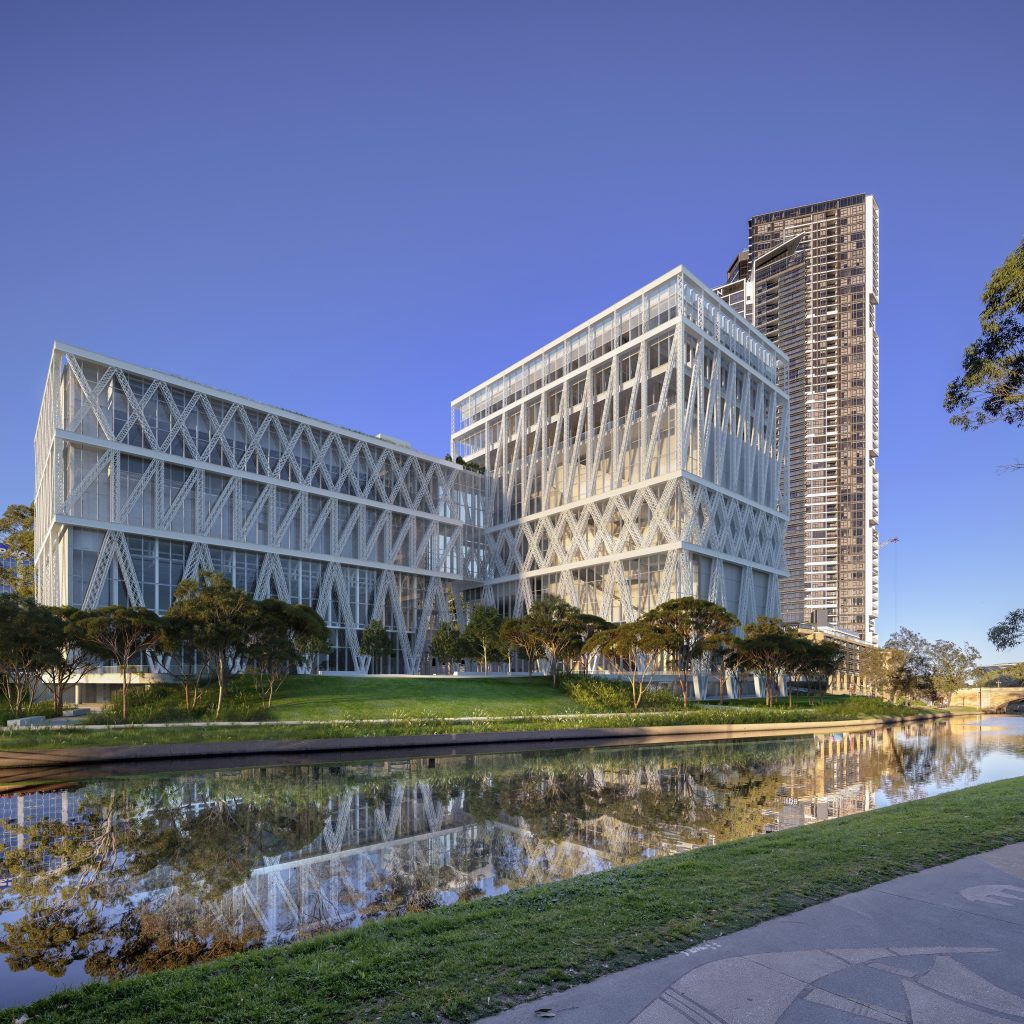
{"x": 124, "y": 692}
{"x": 220, "y": 685}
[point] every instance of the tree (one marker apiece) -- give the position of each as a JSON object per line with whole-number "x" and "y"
{"x": 992, "y": 384}
{"x": 180, "y": 659}
{"x": 375, "y": 641}
{"x": 633, "y": 647}
{"x": 588, "y": 625}
{"x": 516, "y": 634}
{"x": 30, "y": 642}
{"x": 17, "y": 533}
{"x": 912, "y": 668}
{"x": 1009, "y": 632}
{"x": 689, "y": 627}
{"x": 556, "y": 627}
{"x": 284, "y": 638}
{"x": 122, "y": 635}
{"x": 952, "y": 666}
{"x": 882, "y": 669}
{"x": 768, "y": 648}
{"x": 814, "y": 660}
{"x": 483, "y": 633}
{"x": 72, "y": 661}
{"x": 216, "y": 620}
{"x": 446, "y": 644}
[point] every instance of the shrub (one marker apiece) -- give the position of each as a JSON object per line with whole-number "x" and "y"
{"x": 164, "y": 702}
{"x": 603, "y": 694}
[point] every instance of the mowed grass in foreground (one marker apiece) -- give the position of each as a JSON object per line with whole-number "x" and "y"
{"x": 462, "y": 962}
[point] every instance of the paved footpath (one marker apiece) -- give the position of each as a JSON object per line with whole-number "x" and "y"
{"x": 944, "y": 946}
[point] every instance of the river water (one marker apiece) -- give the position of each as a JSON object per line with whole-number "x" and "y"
{"x": 115, "y": 876}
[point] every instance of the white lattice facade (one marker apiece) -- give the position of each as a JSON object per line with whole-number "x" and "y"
{"x": 640, "y": 457}
{"x": 144, "y": 478}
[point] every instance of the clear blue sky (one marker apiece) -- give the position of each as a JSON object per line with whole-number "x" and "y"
{"x": 360, "y": 211}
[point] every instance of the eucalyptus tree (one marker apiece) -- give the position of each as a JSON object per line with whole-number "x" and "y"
{"x": 689, "y": 628}
{"x": 446, "y": 644}
{"x": 284, "y": 638}
{"x": 121, "y": 634}
{"x": 517, "y": 635}
{"x": 991, "y": 388}
{"x": 375, "y": 643}
{"x": 813, "y": 659}
{"x": 557, "y": 628}
{"x": 17, "y": 534}
{"x": 72, "y": 661}
{"x": 482, "y": 635}
{"x": 767, "y": 648}
{"x": 633, "y": 647}
{"x": 216, "y": 620}
{"x": 953, "y": 664}
{"x": 31, "y": 638}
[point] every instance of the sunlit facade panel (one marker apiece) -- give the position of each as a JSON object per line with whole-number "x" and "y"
{"x": 641, "y": 456}
{"x": 143, "y": 479}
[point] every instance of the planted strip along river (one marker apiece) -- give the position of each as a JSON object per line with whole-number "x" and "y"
{"x": 114, "y": 876}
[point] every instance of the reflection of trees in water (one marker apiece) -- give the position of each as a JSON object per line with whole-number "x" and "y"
{"x": 919, "y": 757}
{"x": 160, "y": 872}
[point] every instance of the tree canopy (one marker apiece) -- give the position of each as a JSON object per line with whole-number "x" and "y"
{"x": 119, "y": 634}
{"x": 1008, "y": 633}
{"x": 217, "y": 620}
{"x": 17, "y": 532}
{"x": 376, "y": 642}
{"x": 991, "y": 387}
{"x": 688, "y": 628}
{"x": 284, "y": 637}
{"x": 446, "y": 644}
{"x": 482, "y": 636}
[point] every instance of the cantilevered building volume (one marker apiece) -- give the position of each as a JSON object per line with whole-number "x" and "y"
{"x": 143, "y": 478}
{"x": 639, "y": 457}
{"x": 809, "y": 281}
{"x": 642, "y": 456}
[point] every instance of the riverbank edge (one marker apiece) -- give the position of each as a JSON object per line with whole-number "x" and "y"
{"x": 453, "y": 742}
{"x": 494, "y": 953}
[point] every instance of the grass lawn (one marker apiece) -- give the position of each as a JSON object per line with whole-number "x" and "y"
{"x": 406, "y": 722}
{"x": 327, "y": 698}
{"x": 466, "y": 961}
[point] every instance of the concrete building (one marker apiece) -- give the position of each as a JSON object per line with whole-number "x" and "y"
{"x": 639, "y": 457}
{"x": 143, "y": 478}
{"x": 809, "y": 281}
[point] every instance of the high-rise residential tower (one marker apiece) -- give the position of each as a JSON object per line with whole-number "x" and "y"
{"x": 809, "y": 281}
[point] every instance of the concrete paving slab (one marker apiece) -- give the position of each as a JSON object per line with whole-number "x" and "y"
{"x": 982, "y": 888}
{"x": 911, "y": 951}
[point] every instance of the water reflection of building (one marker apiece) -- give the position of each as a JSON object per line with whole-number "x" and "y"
{"x": 19, "y": 811}
{"x": 313, "y": 848}
{"x": 841, "y": 781}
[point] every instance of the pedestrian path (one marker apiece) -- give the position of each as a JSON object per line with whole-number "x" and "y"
{"x": 944, "y": 946}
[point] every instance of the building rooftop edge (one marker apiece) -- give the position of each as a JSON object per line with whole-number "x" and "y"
{"x": 674, "y": 272}
{"x": 809, "y": 206}
{"x": 231, "y": 396}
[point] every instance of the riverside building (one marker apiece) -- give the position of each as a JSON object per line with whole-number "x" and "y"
{"x": 143, "y": 478}
{"x": 809, "y": 281}
{"x": 640, "y": 457}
